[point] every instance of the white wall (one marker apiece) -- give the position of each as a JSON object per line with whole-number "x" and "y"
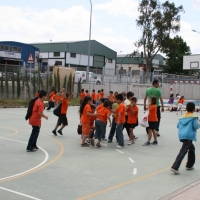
{"x": 51, "y": 55}
{"x": 79, "y": 60}
{"x": 51, "y": 62}
{"x": 44, "y": 54}
{"x": 110, "y": 68}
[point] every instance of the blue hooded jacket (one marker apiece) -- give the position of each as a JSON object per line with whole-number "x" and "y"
{"x": 187, "y": 126}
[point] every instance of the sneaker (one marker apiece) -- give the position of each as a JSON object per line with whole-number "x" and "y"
{"x": 175, "y": 171}
{"x": 109, "y": 141}
{"x": 60, "y": 132}
{"x": 92, "y": 141}
{"x": 88, "y": 141}
{"x": 98, "y": 145}
{"x": 85, "y": 145}
{"x": 31, "y": 150}
{"x": 135, "y": 137}
{"x": 104, "y": 139}
{"x": 130, "y": 142}
{"x": 154, "y": 142}
{"x": 191, "y": 168}
{"x": 54, "y": 132}
{"x": 146, "y": 144}
{"x": 119, "y": 147}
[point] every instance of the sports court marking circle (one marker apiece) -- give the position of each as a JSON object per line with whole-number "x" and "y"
{"x": 27, "y": 171}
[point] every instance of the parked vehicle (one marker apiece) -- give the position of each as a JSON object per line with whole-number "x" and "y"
{"x": 82, "y": 75}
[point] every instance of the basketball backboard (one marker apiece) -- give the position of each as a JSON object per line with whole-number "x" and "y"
{"x": 191, "y": 62}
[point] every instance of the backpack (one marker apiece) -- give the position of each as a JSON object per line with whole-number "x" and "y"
{"x": 30, "y": 108}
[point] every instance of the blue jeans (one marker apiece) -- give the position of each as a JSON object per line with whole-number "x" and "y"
{"x": 120, "y": 136}
{"x": 100, "y": 129}
{"x": 33, "y": 138}
{"x": 112, "y": 130}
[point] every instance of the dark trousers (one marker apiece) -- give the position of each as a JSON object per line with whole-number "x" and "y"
{"x": 158, "y": 123}
{"x": 51, "y": 105}
{"x": 33, "y": 137}
{"x": 127, "y": 127}
{"x": 112, "y": 130}
{"x": 186, "y": 147}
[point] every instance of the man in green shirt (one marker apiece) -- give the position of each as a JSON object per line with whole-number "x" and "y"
{"x": 155, "y": 91}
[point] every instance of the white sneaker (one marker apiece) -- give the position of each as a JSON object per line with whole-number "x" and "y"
{"x": 130, "y": 142}
{"x": 119, "y": 147}
{"x": 175, "y": 171}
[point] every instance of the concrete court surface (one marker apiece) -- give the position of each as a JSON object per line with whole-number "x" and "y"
{"x": 63, "y": 170}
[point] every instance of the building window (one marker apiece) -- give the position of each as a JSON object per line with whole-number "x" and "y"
{"x": 109, "y": 60}
{"x": 14, "y": 49}
{"x": 6, "y": 48}
{"x": 19, "y": 49}
{"x": 56, "y": 54}
{"x": 2, "y": 47}
{"x": 72, "y": 55}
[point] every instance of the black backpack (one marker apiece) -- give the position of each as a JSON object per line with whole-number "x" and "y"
{"x": 30, "y": 108}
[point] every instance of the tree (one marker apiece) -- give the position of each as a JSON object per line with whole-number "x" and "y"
{"x": 79, "y": 88}
{"x": 27, "y": 85}
{"x": 65, "y": 82}
{"x": 175, "y": 51}
{"x": 47, "y": 83}
{"x": 73, "y": 81}
{"x": 13, "y": 85}
{"x": 41, "y": 81}
{"x": 58, "y": 79}
{"x": 50, "y": 80}
{"x": 156, "y": 21}
{"x": 6, "y": 84}
{"x": 34, "y": 85}
{"x": 2, "y": 86}
{"x": 69, "y": 85}
{"x": 55, "y": 81}
{"x": 18, "y": 86}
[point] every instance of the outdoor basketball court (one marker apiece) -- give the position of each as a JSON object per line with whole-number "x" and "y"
{"x": 63, "y": 170}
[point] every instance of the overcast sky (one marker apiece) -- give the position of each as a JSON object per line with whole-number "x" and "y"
{"x": 113, "y": 22}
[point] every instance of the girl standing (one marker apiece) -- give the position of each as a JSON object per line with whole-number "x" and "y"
{"x": 180, "y": 104}
{"x": 153, "y": 120}
{"x": 85, "y": 114}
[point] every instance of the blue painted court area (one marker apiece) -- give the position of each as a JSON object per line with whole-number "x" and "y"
{"x": 196, "y": 102}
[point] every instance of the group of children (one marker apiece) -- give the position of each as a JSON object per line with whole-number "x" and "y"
{"x": 179, "y": 103}
{"x": 124, "y": 112}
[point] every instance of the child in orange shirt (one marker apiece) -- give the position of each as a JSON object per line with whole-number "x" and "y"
{"x": 153, "y": 120}
{"x": 62, "y": 119}
{"x": 87, "y": 93}
{"x": 102, "y": 93}
{"x": 132, "y": 111}
{"x": 51, "y": 101}
{"x": 180, "y": 104}
{"x": 111, "y": 98}
{"x": 85, "y": 114}
{"x": 94, "y": 97}
{"x": 120, "y": 120}
{"x": 101, "y": 121}
{"x": 82, "y": 95}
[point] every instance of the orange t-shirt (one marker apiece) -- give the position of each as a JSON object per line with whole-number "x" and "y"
{"x": 132, "y": 117}
{"x": 37, "y": 95}
{"x": 35, "y": 118}
{"x": 82, "y": 95}
{"x": 92, "y": 118}
{"x": 121, "y": 109}
{"x": 181, "y": 101}
{"x": 64, "y": 106}
{"x": 103, "y": 113}
{"x": 101, "y": 94}
{"x": 98, "y": 96}
{"x": 58, "y": 99}
{"x": 99, "y": 107}
{"x": 111, "y": 98}
{"x": 84, "y": 116}
{"x": 94, "y": 96}
{"x": 87, "y": 94}
{"x": 50, "y": 96}
{"x": 152, "y": 114}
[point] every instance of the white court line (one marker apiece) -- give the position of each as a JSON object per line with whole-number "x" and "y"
{"x": 131, "y": 160}
{"x": 19, "y": 193}
{"x": 135, "y": 171}
{"x": 42, "y": 163}
{"x": 104, "y": 144}
{"x": 119, "y": 151}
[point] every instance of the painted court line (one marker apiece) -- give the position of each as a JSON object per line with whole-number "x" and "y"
{"x": 131, "y": 160}
{"x": 119, "y": 151}
{"x": 104, "y": 144}
{"x": 135, "y": 171}
{"x": 42, "y": 163}
{"x": 19, "y": 193}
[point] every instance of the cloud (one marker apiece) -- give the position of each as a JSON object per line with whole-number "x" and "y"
{"x": 119, "y": 7}
{"x": 27, "y": 25}
{"x": 190, "y": 37}
{"x": 196, "y": 4}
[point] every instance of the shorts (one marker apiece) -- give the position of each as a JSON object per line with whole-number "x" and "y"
{"x": 132, "y": 125}
{"x": 153, "y": 125}
{"x": 85, "y": 128}
{"x": 62, "y": 120}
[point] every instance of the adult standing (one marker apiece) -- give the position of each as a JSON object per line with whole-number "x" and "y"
{"x": 35, "y": 121}
{"x": 155, "y": 91}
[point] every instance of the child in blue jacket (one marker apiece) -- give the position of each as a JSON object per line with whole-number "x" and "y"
{"x": 187, "y": 126}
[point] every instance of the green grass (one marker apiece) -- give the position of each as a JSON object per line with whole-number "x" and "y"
{"x": 22, "y": 103}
